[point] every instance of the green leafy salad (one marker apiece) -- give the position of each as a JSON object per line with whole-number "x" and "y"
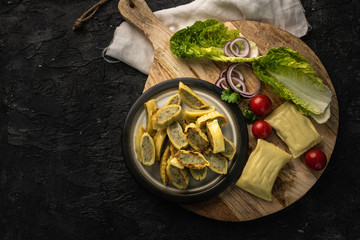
{"x": 206, "y": 39}
{"x": 288, "y": 73}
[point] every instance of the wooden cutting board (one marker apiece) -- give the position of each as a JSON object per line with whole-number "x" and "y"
{"x": 295, "y": 179}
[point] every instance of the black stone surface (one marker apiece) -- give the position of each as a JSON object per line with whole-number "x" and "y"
{"x": 62, "y": 172}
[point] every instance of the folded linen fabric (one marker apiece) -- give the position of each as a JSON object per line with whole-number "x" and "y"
{"x": 131, "y": 47}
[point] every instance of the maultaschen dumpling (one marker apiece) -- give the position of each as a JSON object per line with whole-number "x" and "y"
{"x": 191, "y": 98}
{"x": 166, "y": 116}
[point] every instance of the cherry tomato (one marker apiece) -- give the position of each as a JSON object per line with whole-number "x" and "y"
{"x": 315, "y": 159}
{"x": 260, "y": 105}
{"x": 261, "y": 129}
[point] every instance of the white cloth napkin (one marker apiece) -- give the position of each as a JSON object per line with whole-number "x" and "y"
{"x": 131, "y": 47}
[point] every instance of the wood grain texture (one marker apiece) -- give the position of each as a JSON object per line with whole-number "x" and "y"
{"x": 295, "y": 179}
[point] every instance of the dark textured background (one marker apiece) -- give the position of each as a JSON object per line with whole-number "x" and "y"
{"x": 62, "y": 173}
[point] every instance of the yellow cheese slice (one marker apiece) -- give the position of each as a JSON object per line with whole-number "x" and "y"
{"x": 262, "y": 168}
{"x": 294, "y": 129}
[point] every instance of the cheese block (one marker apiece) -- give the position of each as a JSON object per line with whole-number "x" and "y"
{"x": 294, "y": 129}
{"x": 262, "y": 168}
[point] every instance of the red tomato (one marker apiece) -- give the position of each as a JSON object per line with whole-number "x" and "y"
{"x": 315, "y": 159}
{"x": 261, "y": 129}
{"x": 260, "y": 105}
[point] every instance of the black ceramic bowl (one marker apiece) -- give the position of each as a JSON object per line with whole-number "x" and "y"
{"x": 149, "y": 177}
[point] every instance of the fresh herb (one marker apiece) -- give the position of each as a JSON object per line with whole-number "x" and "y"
{"x": 250, "y": 117}
{"x": 206, "y": 39}
{"x": 229, "y": 96}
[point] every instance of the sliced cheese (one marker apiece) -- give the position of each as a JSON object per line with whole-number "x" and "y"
{"x": 294, "y": 129}
{"x": 262, "y": 168}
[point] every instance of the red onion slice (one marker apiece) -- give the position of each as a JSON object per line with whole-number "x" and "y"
{"x": 246, "y": 50}
{"x": 234, "y": 48}
{"x": 242, "y": 92}
{"x": 220, "y": 83}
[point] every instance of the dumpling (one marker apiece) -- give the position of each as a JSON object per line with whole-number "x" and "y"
{"x": 138, "y": 137}
{"x": 294, "y": 129}
{"x": 175, "y": 99}
{"x": 147, "y": 149}
{"x": 191, "y": 114}
{"x": 215, "y": 115}
{"x": 198, "y": 174}
{"x": 191, "y": 98}
{"x": 191, "y": 159}
{"x": 178, "y": 177}
{"x": 217, "y": 162}
{"x": 230, "y": 149}
{"x": 176, "y": 135}
{"x": 167, "y": 115}
{"x": 215, "y": 136}
{"x": 151, "y": 108}
{"x": 159, "y": 140}
{"x": 163, "y": 165}
{"x": 262, "y": 168}
{"x": 196, "y": 138}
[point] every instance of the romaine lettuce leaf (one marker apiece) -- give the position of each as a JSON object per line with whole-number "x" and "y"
{"x": 206, "y": 39}
{"x": 291, "y": 76}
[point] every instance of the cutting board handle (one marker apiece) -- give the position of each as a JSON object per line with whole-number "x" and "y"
{"x": 138, "y": 14}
